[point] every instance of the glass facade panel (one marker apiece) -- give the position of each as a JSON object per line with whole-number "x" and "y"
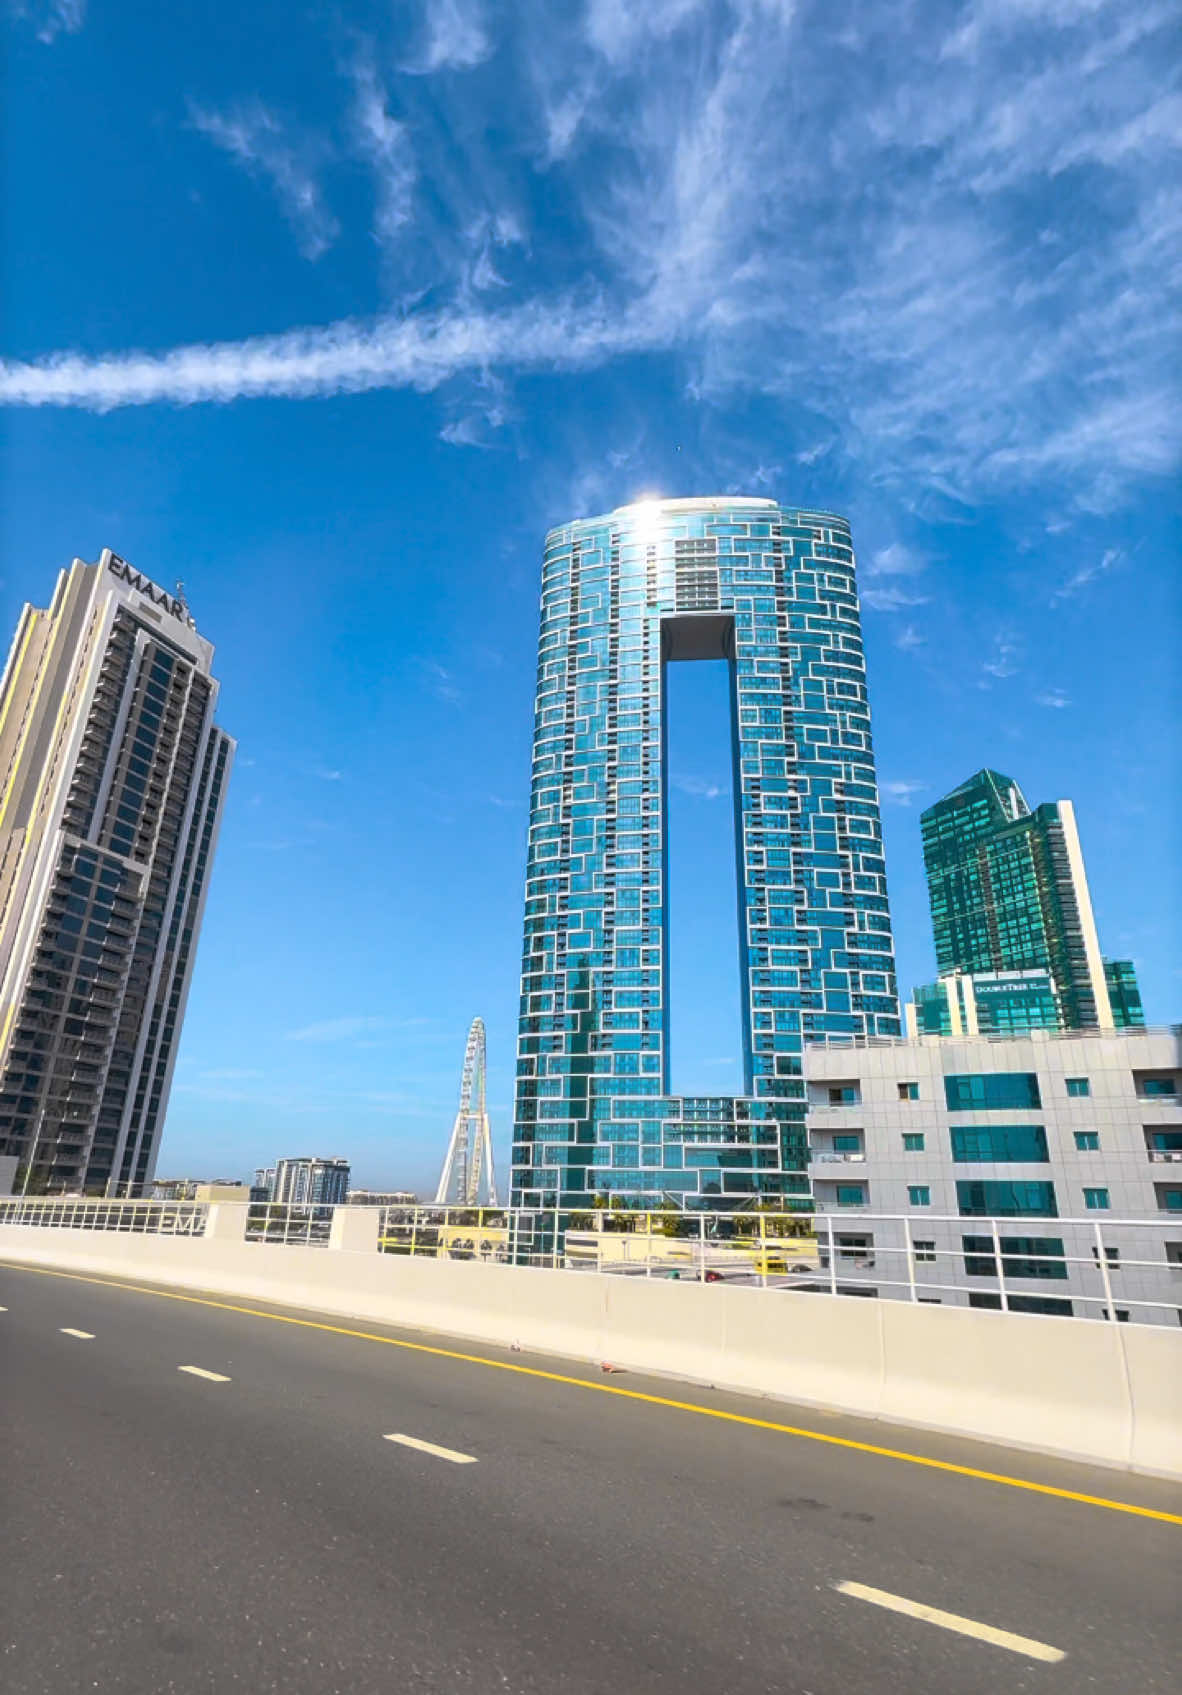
{"x": 772, "y": 592}
{"x": 1021, "y": 1256}
{"x": 999, "y": 1144}
{"x": 995, "y": 1091}
{"x": 851, "y": 1195}
{"x": 1006, "y": 1200}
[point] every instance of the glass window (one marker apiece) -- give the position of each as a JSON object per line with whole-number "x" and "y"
{"x": 1157, "y": 1086}
{"x": 925, "y": 1252}
{"x": 1045, "y": 1304}
{"x": 847, "y": 1144}
{"x": 919, "y": 1195}
{"x": 908, "y": 1091}
{"x": 1087, "y": 1141}
{"x": 913, "y": 1141}
{"x": 1025, "y": 1143}
{"x": 993, "y": 1091}
{"x": 844, "y": 1094}
{"x": 1096, "y": 1200}
{"x": 850, "y": 1195}
{"x": 1078, "y": 1086}
{"x": 1021, "y": 1256}
{"x": 1007, "y": 1200}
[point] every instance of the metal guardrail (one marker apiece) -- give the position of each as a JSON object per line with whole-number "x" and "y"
{"x": 288, "y": 1223}
{"x": 145, "y": 1218}
{"x": 1004, "y": 1262}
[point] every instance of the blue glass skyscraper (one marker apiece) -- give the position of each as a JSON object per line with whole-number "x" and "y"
{"x": 771, "y": 591}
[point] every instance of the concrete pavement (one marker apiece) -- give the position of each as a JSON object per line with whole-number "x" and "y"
{"x": 198, "y": 1499}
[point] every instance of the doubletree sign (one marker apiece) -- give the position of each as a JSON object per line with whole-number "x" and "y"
{"x": 158, "y": 596}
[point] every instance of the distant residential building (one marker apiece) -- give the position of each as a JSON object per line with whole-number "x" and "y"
{"x": 112, "y": 778}
{"x": 1035, "y": 1130}
{"x": 1124, "y": 996}
{"x": 311, "y": 1182}
{"x": 382, "y": 1198}
{"x": 264, "y": 1181}
{"x": 1016, "y": 941}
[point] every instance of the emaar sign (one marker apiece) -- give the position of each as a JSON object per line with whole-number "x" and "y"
{"x": 158, "y": 596}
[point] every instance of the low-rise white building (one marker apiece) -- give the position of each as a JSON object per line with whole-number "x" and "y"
{"x": 1058, "y": 1152}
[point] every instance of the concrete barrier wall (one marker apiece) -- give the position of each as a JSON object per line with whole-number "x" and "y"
{"x": 1110, "y": 1394}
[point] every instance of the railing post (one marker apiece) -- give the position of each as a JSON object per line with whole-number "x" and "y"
{"x": 354, "y": 1229}
{"x": 701, "y": 1247}
{"x": 832, "y": 1255}
{"x": 910, "y": 1259}
{"x": 226, "y": 1222}
{"x": 554, "y": 1257}
{"x": 999, "y": 1267}
{"x": 1105, "y": 1275}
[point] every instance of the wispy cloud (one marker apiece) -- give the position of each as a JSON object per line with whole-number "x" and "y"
{"x": 701, "y": 788}
{"x": 1085, "y": 574}
{"x": 1053, "y": 697}
{"x": 978, "y": 322}
{"x": 909, "y": 638}
{"x": 339, "y": 1029}
{"x": 456, "y": 37}
{"x": 257, "y": 139}
{"x": 895, "y": 561}
{"x": 441, "y": 682}
{"x": 900, "y": 791}
{"x": 51, "y": 18}
{"x": 384, "y": 141}
{"x": 1002, "y": 660}
{"x": 891, "y": 598}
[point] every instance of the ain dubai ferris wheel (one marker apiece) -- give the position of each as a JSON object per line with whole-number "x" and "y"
{"x": 469, "y": 1158}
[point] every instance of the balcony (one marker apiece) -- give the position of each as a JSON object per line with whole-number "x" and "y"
{"x": 860, "y": 1159}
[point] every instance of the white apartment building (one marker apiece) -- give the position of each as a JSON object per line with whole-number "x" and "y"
{"x": 112, "y": 778}
{"x": 311, "y": 1182}
{"x": 1057, "y": 1153}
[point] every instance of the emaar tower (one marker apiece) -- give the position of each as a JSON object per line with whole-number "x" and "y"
{"x": 772, "y": 591}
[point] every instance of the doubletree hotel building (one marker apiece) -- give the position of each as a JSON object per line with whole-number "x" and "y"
{"x": 113, "y": 775}
{"x": 771, "y": 591}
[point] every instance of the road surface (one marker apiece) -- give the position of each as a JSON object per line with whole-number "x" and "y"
{"x": 204, "y": 1499}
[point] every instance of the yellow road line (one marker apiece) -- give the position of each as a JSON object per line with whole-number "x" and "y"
{"x": 625, "y": 1394}
{"x": 1028, "y": 1645}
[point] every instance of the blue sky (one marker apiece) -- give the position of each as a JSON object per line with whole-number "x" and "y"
{"x": 331, "y": 311}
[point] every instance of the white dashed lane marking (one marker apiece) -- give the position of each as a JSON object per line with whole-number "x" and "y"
{"x": 432, "y": 1448}
{"x": 952, "y": 1621}
{"x": 82, "y": 1335}
{"x": 199, "y": 1371}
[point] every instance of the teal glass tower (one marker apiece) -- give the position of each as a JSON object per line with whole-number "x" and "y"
{"x": 624, "y": 596}
{"x": 1016, "y": 942}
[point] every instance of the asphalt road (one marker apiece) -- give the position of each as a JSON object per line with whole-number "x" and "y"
{"x": 255, "y": 1529}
